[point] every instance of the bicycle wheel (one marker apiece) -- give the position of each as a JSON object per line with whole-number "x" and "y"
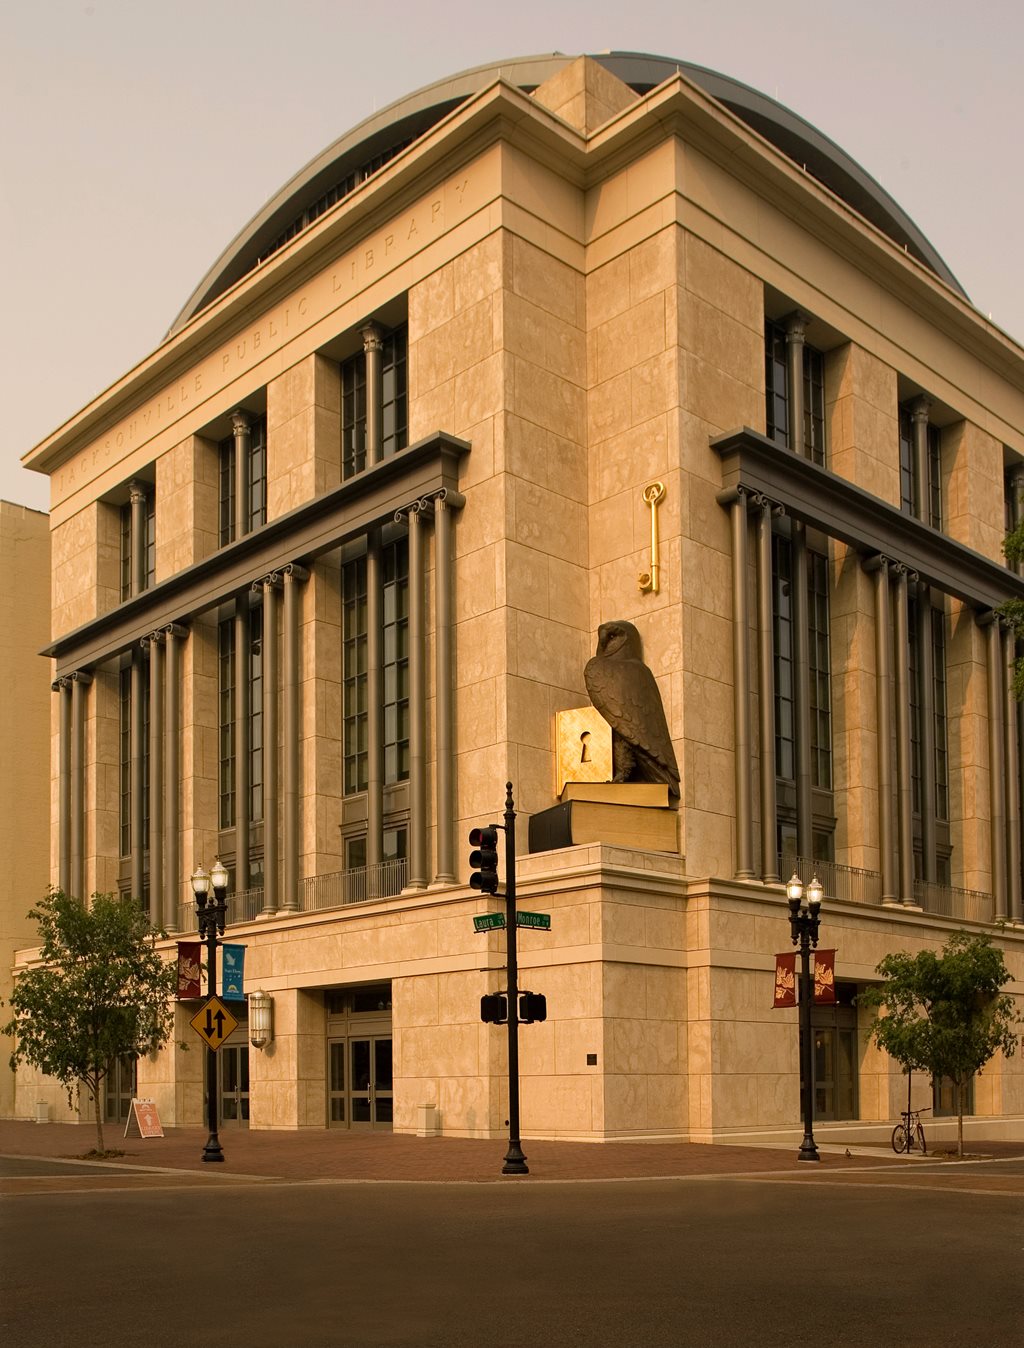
{"x": 920, "y": 1140}
{"x": 900, "y": 1138}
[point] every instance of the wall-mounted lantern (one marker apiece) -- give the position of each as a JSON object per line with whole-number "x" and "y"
{"x": 261, "y": 1018}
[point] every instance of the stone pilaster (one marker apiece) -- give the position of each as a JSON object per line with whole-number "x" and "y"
{"x": 303, "y": 434}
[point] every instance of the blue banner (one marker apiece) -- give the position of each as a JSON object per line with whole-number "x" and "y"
{"x": 233, "y": 972}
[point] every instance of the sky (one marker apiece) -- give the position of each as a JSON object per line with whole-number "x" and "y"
{"x": 138, "y": 138}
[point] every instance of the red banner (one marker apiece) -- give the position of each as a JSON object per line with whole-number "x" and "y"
{"x": 825, "y": 977}
{"x": 190, "y": 954}
{"x": 785, "y": 980}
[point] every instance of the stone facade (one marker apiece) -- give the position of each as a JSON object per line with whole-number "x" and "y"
{"x": 548, "y": 302}
{"x": 24, "y": 734}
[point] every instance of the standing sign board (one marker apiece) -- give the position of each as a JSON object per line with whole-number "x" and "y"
{"x": 146, "y": 1117}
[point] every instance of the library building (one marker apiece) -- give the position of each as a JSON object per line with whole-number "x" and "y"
{"x": 597, "y": 425}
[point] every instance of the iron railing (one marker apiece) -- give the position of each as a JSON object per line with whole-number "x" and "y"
{"x": 361, "y": 884}
{"x": 317, "y": 893}
{"x": 850, "y": 883}
{"x": 973, "y": 905}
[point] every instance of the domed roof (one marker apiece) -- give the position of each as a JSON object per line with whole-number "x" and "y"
{"x": 335, "y": 172}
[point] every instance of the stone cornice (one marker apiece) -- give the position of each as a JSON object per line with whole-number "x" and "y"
{"x": 502, "y": 112}
{"x": 422, "y": 470}
{"x": 865, "y": 523}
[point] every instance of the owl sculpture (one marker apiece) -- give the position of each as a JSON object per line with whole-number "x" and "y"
{"x": 624, "y": 691}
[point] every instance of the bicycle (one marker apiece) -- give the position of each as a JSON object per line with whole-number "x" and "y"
{"x": 910, "y": 1133}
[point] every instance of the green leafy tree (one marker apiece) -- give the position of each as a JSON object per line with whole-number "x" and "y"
{"x": 945, "y": 1014}
{"x": 102, "y": 992}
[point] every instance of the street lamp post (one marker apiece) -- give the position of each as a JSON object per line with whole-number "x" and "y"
{"x": 803, "y": 927}
{"x": 210, "y": 917}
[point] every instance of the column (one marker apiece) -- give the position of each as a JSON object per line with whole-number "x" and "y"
{"x": 802, "y": 692}
{"x": 919, "y": 410}
{"x": 995, "y": 764}
{"x": 926, "y": 701}
{"x": 879, "y": 566}
{"x": 374, "y": 709}
{"x": 137, "y": 776}
{"x": 242, "y": 430}
{"x": 156, "y": 776}
{"x": 736, "y": 503}
{"x": 139, "y": 508}
{"x": 904, "y": 774}
{"x": 173, "y": 637}
{"x": 766, "y": 693}
{"x": 372, "y": 346}
{"x": 79, "y": 682}
{"x": 293, "y": 575}
{"x": 271, "y": 786}
{"x": 796, "y": 325}
{"x": 444, "y": 575}
{"x": 1012, "y": 788}
{"x": 417, "y": 699}
{"x": 243, "y": 642}
{"x": 63, "y": 687}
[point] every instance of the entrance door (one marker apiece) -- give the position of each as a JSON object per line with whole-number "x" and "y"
{"x": 361, "y": 1087}
{"x": 234, "y": 1084}
{"x": 119, "y": 1087}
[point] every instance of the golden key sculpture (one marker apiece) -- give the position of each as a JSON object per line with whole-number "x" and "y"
{"x": 653, "y": 495}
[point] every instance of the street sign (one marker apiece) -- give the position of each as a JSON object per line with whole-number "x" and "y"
{"x": 538, "y": 921}
{"x": 489, "y": 922}
{"x": 213, "y": 1022}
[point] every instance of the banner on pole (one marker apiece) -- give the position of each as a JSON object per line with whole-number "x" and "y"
{"x": 825, "y": 977}
{"x": 190, "y": 959}
{"x": 232, "y": 973}
{"x": 785, "y": 980}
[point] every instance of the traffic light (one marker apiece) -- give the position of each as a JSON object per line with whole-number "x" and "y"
{"x": 484, "y": 860}
{"x": 532, "y": 1006}
{"x": 494, "y": 1008}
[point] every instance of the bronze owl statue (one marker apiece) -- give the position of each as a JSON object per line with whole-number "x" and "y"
{"x": 624, "y": 691}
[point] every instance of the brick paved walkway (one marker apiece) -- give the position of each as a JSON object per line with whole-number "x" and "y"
{"x": 334, "y": 1155}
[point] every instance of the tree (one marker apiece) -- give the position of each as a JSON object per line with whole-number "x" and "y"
{"x": 945, "y": 1013}
{"x": 102, "y": 992}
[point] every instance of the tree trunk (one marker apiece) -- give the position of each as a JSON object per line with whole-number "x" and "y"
{"x": 959, "y": 1120}
{"x": 94, "y": 1086}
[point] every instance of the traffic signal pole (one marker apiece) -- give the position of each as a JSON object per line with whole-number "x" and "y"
{"x": 515, "y": 1161}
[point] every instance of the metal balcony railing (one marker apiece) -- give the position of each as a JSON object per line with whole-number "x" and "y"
{"x": 317, "y": 893}
{"x": 973, "y": 905}
{"x": 359, "y": 885}
{"x": 850, "y": 883}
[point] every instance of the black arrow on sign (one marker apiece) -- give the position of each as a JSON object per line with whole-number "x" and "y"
{"x": 210, "y": 1018}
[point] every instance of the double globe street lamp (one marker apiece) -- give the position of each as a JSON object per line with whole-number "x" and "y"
{"x": 804, "y": 913}
{"x": 210, "y": 919}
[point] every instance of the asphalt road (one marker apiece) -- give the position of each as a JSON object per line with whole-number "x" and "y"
{"x": 734, "y": 1262}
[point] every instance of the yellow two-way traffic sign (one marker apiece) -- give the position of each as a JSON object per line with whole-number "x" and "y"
{"x": 213, "y": 1022}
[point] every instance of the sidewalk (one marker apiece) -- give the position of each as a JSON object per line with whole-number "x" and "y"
{"x": 341, "y": 1155}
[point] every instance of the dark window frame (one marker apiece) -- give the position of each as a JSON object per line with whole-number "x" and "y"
{"x": 394, "y": 405}
{"x": 255, "y": 482}
{"x": 910, "y": 488}
{"x": 777, "y": 400}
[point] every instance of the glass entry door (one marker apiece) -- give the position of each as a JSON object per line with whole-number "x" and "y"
{"x": 119, "y": 1086}
{"x": 234, "y": 1084}
{"x": 360, "y": 1086}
